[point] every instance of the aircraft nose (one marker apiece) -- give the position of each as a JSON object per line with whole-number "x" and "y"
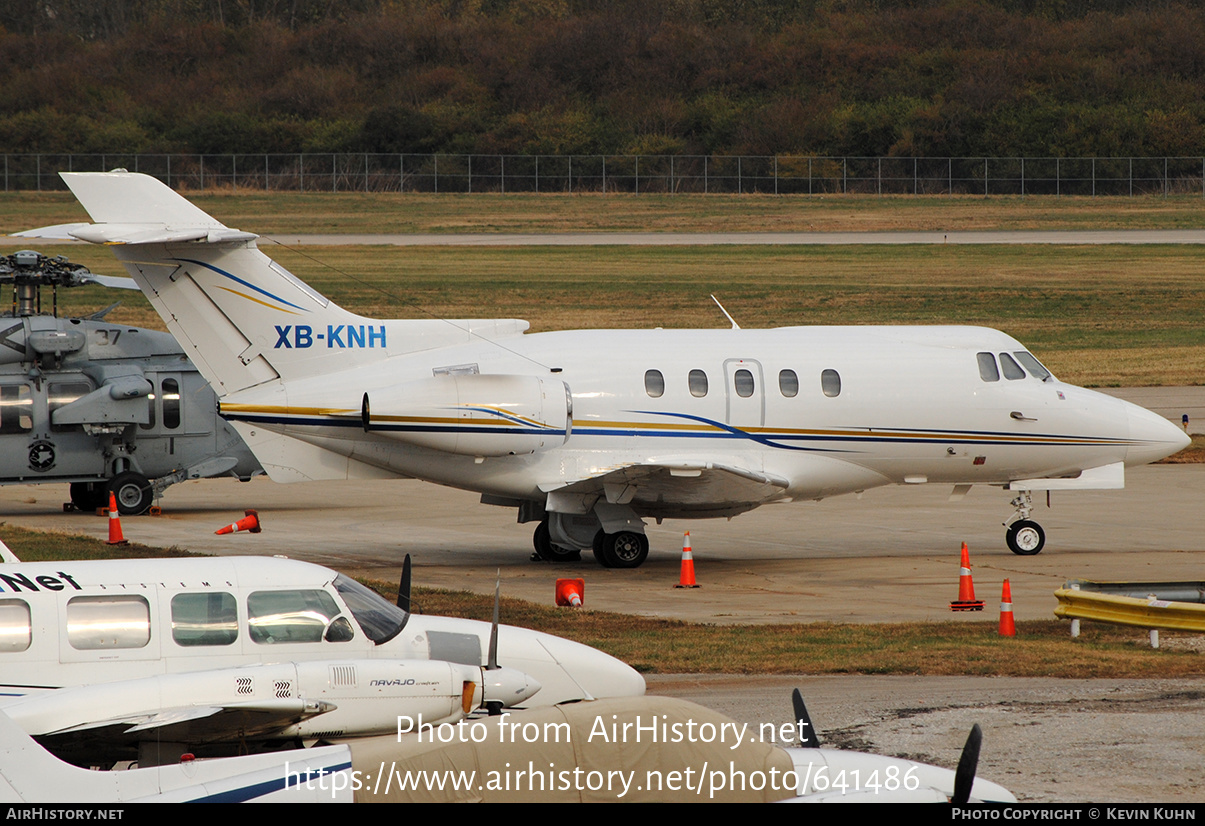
{"x": 508, "y": 686}
{"x": 1152, "y": 437}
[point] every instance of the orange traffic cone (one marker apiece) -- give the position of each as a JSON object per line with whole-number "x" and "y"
{"x": 966, "y": 587}
{"x": 570, "y": 592}
{"x": 687, "y": 577}
{"x": 249, "y": 523}
{"x": 115, "y": 537}
{"x": 1007, "y": 627}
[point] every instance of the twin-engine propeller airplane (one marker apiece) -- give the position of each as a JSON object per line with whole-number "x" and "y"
{"x": 109, "y": 660}
{"x": 586, "y": 432}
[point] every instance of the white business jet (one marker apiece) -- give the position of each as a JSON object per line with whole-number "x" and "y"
{"x": 109, "y": 660}
{"x": 587, "y": 432}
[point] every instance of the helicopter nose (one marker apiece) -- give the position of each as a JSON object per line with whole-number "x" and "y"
{"x": 1152, "y": 437}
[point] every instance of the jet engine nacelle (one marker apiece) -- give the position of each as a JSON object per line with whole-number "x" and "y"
{"x": 473, "y": 414}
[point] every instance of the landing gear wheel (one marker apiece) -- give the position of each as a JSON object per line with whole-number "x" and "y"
{"x": 1025, "y": 537}
{"x": 546, "y": 550}
{"x": 88, "y": 496}
{"x": 600, "y": 539}
{"x": 626, "y": 549}
{"x": 133, "y": 493}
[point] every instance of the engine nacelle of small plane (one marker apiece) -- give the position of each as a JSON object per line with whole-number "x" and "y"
{"x": 473, "y": 414}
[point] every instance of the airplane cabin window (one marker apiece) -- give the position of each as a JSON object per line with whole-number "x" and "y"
{"x": 788, "y": 383}
{"x": 1012, "y": 370}
{"x": 15, "y": 628}
{"x": 698, "y": 383}
{"x": 16, "y": 409}
{"x": 1033, "y": 365}
{"x": 743, "y": 380}
{"x": 830, "y": 383}
{"x": 277, "y": 617}
{"x": 987, "y": 367}
{"x": 654, "y": 383}
{"x": 204, "y": 618}
{"x": 106, "y": 622}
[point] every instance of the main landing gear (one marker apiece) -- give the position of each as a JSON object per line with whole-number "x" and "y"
{"x": 1024, "y": 536}
{"x": 622, "y": 549}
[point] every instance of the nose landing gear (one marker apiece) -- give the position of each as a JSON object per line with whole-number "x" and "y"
{"x": 1024, "y": 536}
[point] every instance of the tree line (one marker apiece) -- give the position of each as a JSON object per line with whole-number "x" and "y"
{"x": 937, "y": 78}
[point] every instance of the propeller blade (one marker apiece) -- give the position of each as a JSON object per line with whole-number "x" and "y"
{"x": 403, "y": 587}
{"x": 492, "y": 663}
{"x": 808, "y": 738}
{"x": 964, "y": 775}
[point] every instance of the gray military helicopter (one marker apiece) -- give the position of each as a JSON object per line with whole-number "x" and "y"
{"x": 101, "y": 405}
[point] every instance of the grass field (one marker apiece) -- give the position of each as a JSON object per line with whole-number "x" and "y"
{"x": 1041, "y": 648}
{"x": 1098, "y": 316}
{"x": 316, "y": 212}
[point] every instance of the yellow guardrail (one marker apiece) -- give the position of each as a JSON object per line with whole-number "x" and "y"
{"x": 1141, "y": 612}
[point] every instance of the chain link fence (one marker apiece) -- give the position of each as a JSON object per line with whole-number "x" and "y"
{"x": 630, "y": 174}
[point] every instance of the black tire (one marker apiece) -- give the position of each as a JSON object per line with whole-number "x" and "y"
{"x": 546, "y": 550}
{"x": 88, "y": 496}
{"x": 133, "y": 493}
{"x": 1025, "y": 538}
{"x": 626, "y": 549}
{"x": 600, "y": 539}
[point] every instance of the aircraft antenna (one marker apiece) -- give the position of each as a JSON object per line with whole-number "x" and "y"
{"x": 735, "y": 326}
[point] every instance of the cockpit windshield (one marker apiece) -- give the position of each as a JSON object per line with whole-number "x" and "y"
{"x": 1034, "y": 366}
{"x": 379, "y": 620}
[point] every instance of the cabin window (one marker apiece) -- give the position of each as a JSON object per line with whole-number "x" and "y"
{"x": 292, "y": 616}
{"x": 171, "y": 403}
{"x": 15, "y": 633}
{"x": 698, "y": 383}
{"x": 987, "y": 367}
{"x": 379, "y": 619}
{"x": 788, "y": 383}
{"x": 62, "y": 393}
{"x": 654, "y": 383}
{"x": 149, "y": 424}
{"x": 1033, "y": 365}
{"x": 1012, "y": 371}
{"x": 16, "y": 409}
{"x": 830, "y": 383}
{"x": 108, "y": 622}
{"x": 204, "y": 618}
{"x": 743, "y": 381}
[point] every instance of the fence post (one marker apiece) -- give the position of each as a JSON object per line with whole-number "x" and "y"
{"x": 401, "y": 173}
{"x": 705, "y": 159}
{"x": 470, "y": 174}
{"x": 38, "y": 168}
{"x": 671, "y": 174}
{"x": 1165, "y": 177}
{"x": 637, "y": 174}
{"x": 844, "y": 176}
{"x": 739, "y": 184}
{"x": 775, "y": 174}
{"x": 234, "y": 172}
{"x": 604, "y": 174}
{"x": 809, "y": 176}
{"x": 1093, "y": 177}
{"x": 436, "y": 174}
{"x": 985, "y": 177}
{"x": 571, "y": 174}
{"x": 1131, "y": 176}
{"x": 1022, "y": 177}
{"x": 1058, "y": 178}
{"x": 202, "y": 173}
{"x": 878, "y": 177}
{"x": 915, "y": 188}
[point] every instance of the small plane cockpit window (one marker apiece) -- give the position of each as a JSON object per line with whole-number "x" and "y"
{"x": 788, "y": 383}
{"x": 1012, "y": 371}
{"x": 277, "y": 617}
{"x": 743, "y": 380}
{"x": 830, "y": 383}
{"x": 171, "y": 404}
{"x": 204, "y": 618}
{"x": 1033, "y": 365}
{"x": 987, "y": 367}
{"x": 698, "y": 383}
{"x": 15, "y": 628}
{"x": 654, "y": 383}
{"x": 105, "y": 622}
{"x": 16, "y": 409}
{"x": 379, "y": 619}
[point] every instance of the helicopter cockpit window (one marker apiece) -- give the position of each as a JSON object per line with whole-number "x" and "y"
{"x": 380, "y": 620}
{"x": 16, "y": 408}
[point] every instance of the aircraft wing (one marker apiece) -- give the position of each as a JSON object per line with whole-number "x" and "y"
{"x": 697, "y": 484}
{"x": 197, "y": 725}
